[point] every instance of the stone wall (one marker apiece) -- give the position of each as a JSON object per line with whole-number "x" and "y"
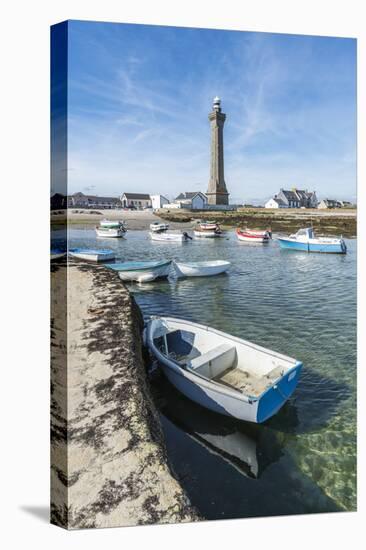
{"x": 109, "y": 465}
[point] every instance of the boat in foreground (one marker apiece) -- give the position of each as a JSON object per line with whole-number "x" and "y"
{"x": 158, "y": 227}
{"x": 170, "y": 237}
{"x": 142, "y": 272}
{"x": 208, "y": 230}
{"x": 200, "y": 269}
{"x": 306, "y": 241}
{"x": 92, "y": 254}
{"x": 253, "y": 235}
{"x": 221, "y": 372}
{"x": 111, "y": 229}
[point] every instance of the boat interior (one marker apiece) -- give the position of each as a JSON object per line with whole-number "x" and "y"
{"x": 249, "y": 370}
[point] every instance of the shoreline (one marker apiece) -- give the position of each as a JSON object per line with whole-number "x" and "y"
{"x": 326, "y": 222}
{"x": 108, "y": 454}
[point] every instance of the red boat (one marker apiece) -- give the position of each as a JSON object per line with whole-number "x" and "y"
{"x": 207, "y": 229}
{"x": 253, "y": 235}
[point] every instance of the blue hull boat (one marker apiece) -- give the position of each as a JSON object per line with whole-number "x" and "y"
{"x": 220, "y": 372}
{"x": 305, "y": 241}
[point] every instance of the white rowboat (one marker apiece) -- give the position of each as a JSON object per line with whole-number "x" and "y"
{"x": 200, "y": 269}
{"x": 223, "y": 373}
{"x": 169, "y": 237}
{"x": 92, "y": 255}
{"x": 109, "y": 232}
{"x": 142, "y": 272}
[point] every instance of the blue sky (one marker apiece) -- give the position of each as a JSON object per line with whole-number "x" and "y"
{"x": 139, "y": 97}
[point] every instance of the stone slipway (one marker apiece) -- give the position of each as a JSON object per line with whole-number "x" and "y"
{"x": 109, "y": 465}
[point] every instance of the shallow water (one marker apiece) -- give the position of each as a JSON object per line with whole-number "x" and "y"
{"x": 303, "y": 305}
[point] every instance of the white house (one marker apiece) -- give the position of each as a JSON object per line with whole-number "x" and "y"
{"x": 158, "y": 201}
{"x": 330, "y": 203}
{"x": 275, "y": 203}
{"x": 193, "y": 200}
{"x": 135, "y": 200}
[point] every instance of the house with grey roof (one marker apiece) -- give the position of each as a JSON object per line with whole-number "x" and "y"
{"x": 92, "y": 201}
{"x": 275, "y": 202}
{"x": 330, "y": 203}
{"x": 136, "y": 200}
{"x": 193, "y": 200}
{"x": 294, "y": 198}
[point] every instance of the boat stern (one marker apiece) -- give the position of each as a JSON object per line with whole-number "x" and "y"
{"x": 275, "y": 396}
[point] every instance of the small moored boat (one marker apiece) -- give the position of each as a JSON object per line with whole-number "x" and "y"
{"x": 306, "y": 241}
{"x": 253, "y": 235}
{"x": 200, "y": 269}
{"x": 92, "y": 254}
{"x": 158, "y": 227}
{"x": 112, "y": 223}
{"x": 223, "y": 373}
{"x": 208, "y": 229}
{"x": 170, "y": 237}
{"x": 111, "y": 229}
{"x": 142, "y": 272}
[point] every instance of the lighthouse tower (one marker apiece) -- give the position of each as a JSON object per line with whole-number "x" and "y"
{"x": 217, "y": 192}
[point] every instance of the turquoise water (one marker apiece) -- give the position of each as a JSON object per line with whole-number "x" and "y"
{"x": 303, "y": 305}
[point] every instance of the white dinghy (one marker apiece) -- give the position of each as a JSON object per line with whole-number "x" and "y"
{"x": 142, "y": 272}
{"x": 109, "y": 232}
{"x": 223, "y": 373}
{"x": 92, "y": 255}
{"x": 111, "y": 229}
{"x": 200, "y": 269}
{"x": 170, "y": 237}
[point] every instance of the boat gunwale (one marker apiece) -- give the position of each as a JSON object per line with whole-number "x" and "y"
{"x": 167, "y": 236}
{"x": 90, "y": 251}
{"x": 211, "y": 384}
{"x": 131, "y": 269}
{"x": 214, "y": 263}
{"x": 316, "y": 240}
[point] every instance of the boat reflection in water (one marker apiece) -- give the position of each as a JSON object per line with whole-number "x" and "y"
{"x": 249, "y": 448}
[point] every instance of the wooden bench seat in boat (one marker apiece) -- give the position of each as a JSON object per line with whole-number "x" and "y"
{"x": 247, "y": 382}
{"x": 214, "y": 361}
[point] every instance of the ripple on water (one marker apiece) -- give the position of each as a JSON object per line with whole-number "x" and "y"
{"x": 303, "y": 305}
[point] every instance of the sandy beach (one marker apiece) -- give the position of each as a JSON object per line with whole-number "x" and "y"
{"x": 135, "y": 219}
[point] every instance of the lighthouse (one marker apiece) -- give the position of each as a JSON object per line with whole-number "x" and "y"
{"x": 217, "y": 192}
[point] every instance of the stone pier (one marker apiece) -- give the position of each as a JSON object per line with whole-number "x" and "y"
{"x": 109, "y": 466}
